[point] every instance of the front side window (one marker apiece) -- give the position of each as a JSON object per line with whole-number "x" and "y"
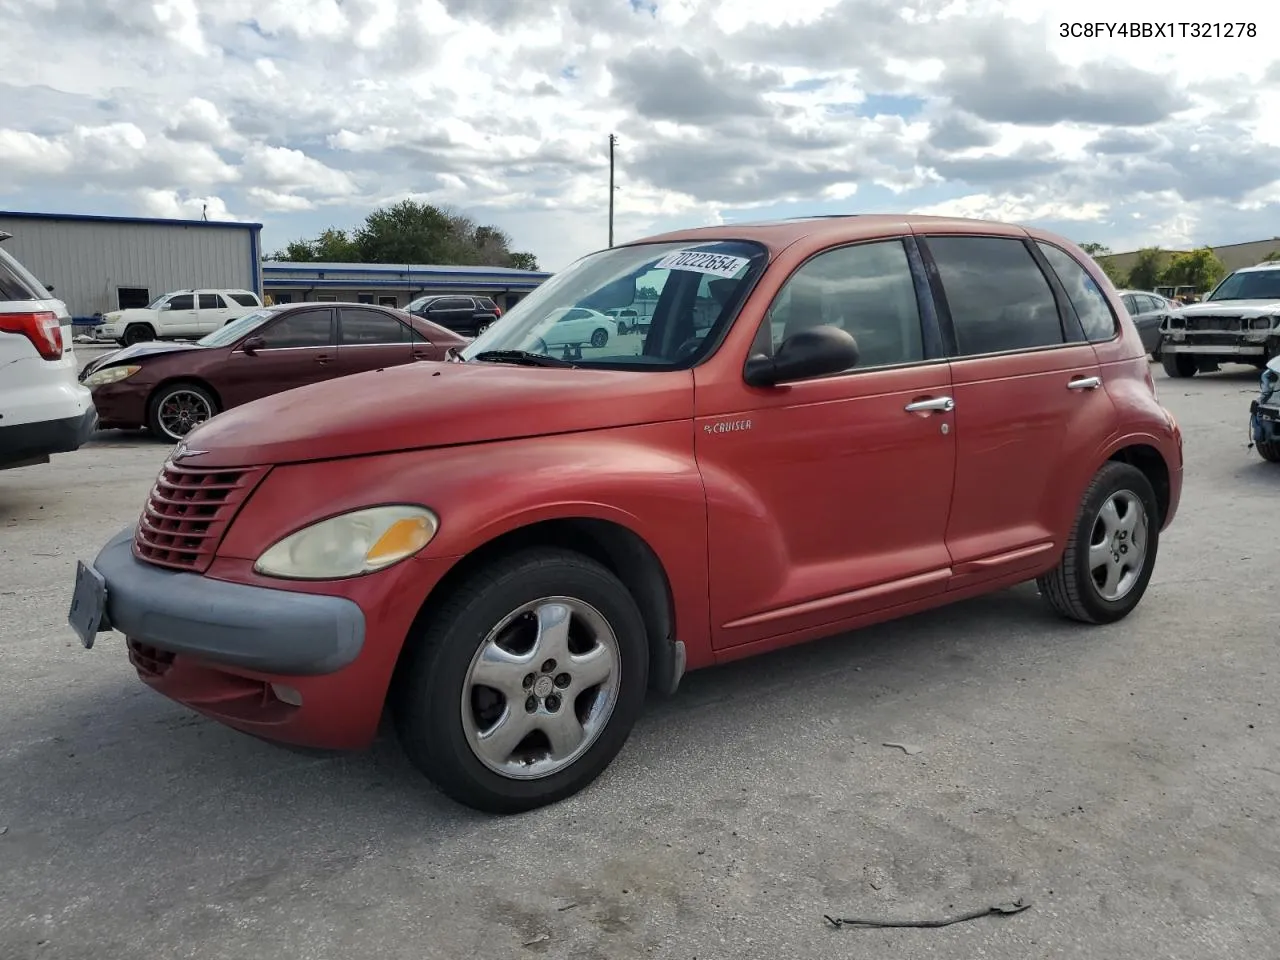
{"x": 1248, "y": 285}
{"x": 866, "y": 289}
{"x": 688, "y": 291}
{"x": 183, "y": 301}
{"x": 300, "y": 328}
{"x": 370, "y": 327}
{"x": 998, "y": 297}
{"x": 1089, "y": 302}
{"x": 229, "y": 333}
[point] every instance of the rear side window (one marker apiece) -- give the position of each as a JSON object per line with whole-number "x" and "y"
{"x": 244, "y": 299}
{"x": 1089, "y": 302}
{"x": 487, "y": 304}
{"x": 211, "y": 301}
{"x": 998, "y": 297}
{"x": 12, "y": 286}
{"x": 371, "y": 327}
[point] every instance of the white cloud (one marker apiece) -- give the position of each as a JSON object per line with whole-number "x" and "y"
{"x": 168, "y": 203}
{"x": 305, "y": 113}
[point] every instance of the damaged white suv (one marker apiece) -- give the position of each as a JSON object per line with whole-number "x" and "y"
{"x": 1238, "y": 322}
{"x": 43, "y": 408}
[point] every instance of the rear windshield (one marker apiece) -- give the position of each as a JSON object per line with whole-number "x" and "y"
{"x": 1249, "y": 285}
{"x": 15, "y": 282}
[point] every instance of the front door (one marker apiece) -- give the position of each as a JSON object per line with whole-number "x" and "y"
{"x": 829, "y": 498}
{"x": 1029, "y": 404}
{"x": 179, "y": 317}
{"x": 297, "y": 349}
{"x": 371, "y": 339}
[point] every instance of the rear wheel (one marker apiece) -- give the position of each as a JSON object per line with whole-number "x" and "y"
{"x": 526, "y": 682}
{"x": 1111, "y": 551}
{"x": 137, "y": 333}
{"x": 178, "y": 408}
{"x": 1179, "y": 364}
{"x": 482, "y": 327}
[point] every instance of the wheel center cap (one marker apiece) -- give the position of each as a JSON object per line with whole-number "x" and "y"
{"x": 543, "y": 686}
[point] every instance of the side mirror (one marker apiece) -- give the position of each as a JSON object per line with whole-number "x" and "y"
{"x": 814, "y": 352}
{"x": 49, "y": 287}
{"x": 253, "y": 345}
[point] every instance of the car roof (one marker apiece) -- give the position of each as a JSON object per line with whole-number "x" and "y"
{"x": 825, "y": 230}
{"x": 1259, "y": 267}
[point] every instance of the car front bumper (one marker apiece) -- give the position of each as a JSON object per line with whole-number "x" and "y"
{"x": 1264, "y": 422}
{"x": 1214, "y": 349}
{"x": 122, "y": 405}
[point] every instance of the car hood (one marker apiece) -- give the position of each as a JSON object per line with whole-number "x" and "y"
{"x": 1231, "y": 308}
{"x": 430, "y": 404}
{"x": 149, "y": 349}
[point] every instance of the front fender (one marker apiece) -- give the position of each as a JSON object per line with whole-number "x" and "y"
{"x": 643, "y": 478}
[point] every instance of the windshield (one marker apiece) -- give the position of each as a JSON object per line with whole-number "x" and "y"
{"x": 237, "y": 328}
{"x": 684, "y": 294}
{"x": 415, "y": 306}
{"x": 158, "y": 302}
{"x": 1249, "y": 285}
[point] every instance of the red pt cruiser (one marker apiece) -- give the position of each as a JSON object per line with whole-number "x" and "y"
{"x": 829, "y": 422}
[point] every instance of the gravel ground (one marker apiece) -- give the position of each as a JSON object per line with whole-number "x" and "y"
{"x": 1123, "y": 779}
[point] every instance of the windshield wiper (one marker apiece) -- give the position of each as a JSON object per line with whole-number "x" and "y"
{"x": 524, "y": 358}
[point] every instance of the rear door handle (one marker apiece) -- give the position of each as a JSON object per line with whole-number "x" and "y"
{"x": 1085, "y": 383}
{"x": 943, "y": 404}
{"x": 323, "y": 358}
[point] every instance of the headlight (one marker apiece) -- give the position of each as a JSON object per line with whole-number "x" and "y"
{"x": 1261, "y": 323}
{"x": 350, "y": 545}
{"x": 111, "y": 375}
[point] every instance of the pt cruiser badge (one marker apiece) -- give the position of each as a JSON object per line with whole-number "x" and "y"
{"x": 727, "y": 426}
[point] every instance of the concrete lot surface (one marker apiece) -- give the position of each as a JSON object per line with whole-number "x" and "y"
{"x": 1123, "y": 779}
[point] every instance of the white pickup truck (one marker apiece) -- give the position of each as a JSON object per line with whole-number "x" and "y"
{"x": 182, "y": 314}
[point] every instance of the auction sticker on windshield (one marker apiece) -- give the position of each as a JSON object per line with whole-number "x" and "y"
{"x": 699, "y": 261}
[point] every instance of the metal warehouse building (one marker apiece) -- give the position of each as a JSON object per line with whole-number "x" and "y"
{"x": 96, "y": 264}
{"x": 392, "y": 285}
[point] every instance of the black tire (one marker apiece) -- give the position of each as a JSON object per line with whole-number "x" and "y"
{"x": 137, "y": 333}
{"x": 155, "y": 417}
{"x": 1179, "y": 364}
{"x": 599, "y": 337}
{"x": 481, "y": 327}
{"x": 1069, "y": 588}
{"x": 426, "y": 700}
{"x": 1269, "y": 450}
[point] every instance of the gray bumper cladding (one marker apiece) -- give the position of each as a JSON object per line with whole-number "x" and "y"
{"x": 257, "y": 628}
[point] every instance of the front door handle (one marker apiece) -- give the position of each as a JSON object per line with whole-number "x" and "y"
{"x": 1085, "y": 383}
{"x": 943, "y": 404}
{"x": 323, "y": 358}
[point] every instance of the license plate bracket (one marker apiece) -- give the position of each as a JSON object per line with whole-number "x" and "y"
{"x": 88, "y": 613}
{"x": 1270, "y": 414}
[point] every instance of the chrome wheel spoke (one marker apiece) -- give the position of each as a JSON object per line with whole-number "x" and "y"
{"x": 498, "y": 742}
{"x": 590, "y": 669}
{"x": 1110, "y": 516}
{"x": 553, "y": 632}
{"x": 1099, "y": 556}
{"x": 500, "y": 670}
{"x": 564, "y": 732}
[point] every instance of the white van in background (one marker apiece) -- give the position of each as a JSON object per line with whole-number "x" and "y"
{"x": 181, "y": 314}
{"x": 43, "y": 407}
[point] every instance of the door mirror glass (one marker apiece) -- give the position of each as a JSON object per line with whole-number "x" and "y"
{"x": 253, "y": 345}
{"x": 810, "y": 352}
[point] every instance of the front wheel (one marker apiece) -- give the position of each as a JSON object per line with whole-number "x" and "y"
{"x": 1269, "y": 450}
{"x": 599, "y": 337}
{"x": 1111, "y": 550}
{"x": 137, "y": 333}
{"x": 1179, "y": 364}
{"x": 525, "y": 683}
{"x": 178, "y": 408}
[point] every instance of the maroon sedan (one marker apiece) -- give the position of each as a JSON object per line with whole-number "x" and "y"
{"x": 171, "y": 387}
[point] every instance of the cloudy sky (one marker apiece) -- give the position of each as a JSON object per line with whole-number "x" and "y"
{"x": 301, "y": 114}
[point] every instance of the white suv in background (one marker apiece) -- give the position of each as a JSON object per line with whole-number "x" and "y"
{"x": 183, "y": 313}
{"x": 43, "y": 408}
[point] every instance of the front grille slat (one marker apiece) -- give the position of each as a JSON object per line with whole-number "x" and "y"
{"x": 187, "y": 514}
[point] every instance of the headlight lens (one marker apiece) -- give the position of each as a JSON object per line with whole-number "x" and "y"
{"x": 1262, "y": 323}
{"x": 351, "y": 544}
{"x": 111, "y": 375}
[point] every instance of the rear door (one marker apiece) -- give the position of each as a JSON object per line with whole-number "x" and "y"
{"x": 370, "y": 339}
{"x": 456, "y": 313}
{"x": 1029, "y": 410}
{"x": 213, "y": 312}
{"x": 298, "y": 348}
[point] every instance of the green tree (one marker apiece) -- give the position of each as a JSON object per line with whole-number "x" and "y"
{"x": 1095, "y": 250}
{"x": 523, "y": 261}
{"x": 1148, "y": 269}
{"x": 1118, "y": 277}
{"x": 1273, "y": 255}
{"x": 1200, "y": 269}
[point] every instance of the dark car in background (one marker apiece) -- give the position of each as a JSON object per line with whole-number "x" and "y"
{"x": 1148, "y": 311}
{"x": 470, "y": 316}
{"x": 173, "y": 387}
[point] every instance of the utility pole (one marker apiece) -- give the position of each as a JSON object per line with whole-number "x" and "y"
{"x": 613, "y": 139}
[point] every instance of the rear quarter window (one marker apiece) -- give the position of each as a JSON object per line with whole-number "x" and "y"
{"x": 244, "y": 299}
{"x": 1090, "y": 303}
{"x": 12, "y": 285}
